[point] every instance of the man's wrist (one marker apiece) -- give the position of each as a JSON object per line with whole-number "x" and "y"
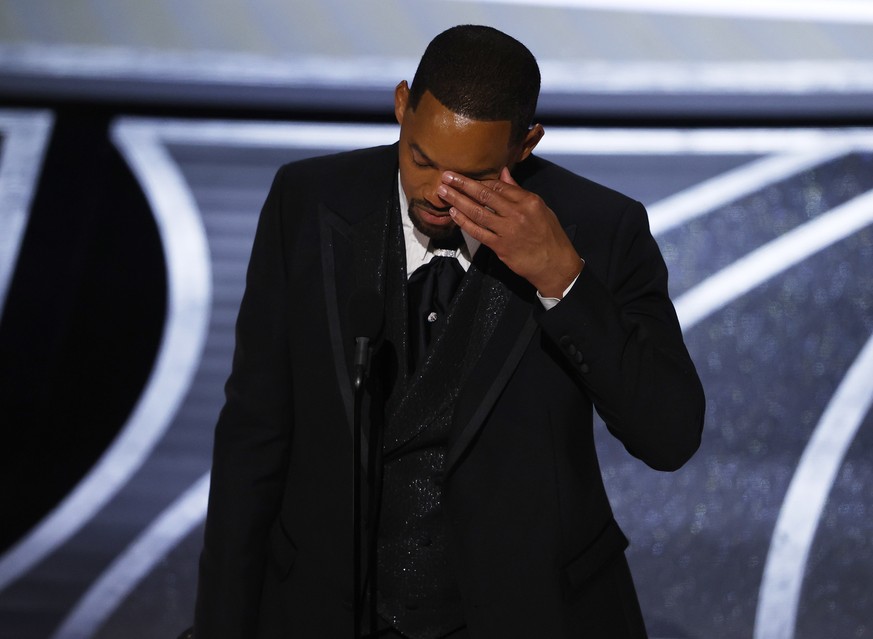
{"x": 563, "y": 282}
{"x": 549, "y": 302}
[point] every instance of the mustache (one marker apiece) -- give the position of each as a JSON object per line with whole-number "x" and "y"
{"x": 424, "y": 204}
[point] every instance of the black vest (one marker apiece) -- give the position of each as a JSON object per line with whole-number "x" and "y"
{"x": 418, "y": 593}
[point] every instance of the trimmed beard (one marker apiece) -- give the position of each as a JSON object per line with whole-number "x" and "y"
{"x": 438, "y": 233}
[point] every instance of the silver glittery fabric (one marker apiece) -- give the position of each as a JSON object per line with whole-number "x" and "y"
{"x": 418, "y": 593}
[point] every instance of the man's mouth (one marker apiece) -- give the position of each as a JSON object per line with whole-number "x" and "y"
{"x": 431, "y": 212}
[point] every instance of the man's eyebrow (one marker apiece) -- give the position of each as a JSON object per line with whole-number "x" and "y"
{"x": 475, "y": 175}
{"x": 479, "y": 175}
{"x": 424, "y": 156}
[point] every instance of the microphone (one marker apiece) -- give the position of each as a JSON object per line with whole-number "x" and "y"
{"x": 366, "y": 315}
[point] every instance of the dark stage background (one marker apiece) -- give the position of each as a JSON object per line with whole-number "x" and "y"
{"x": 138, "y": 140}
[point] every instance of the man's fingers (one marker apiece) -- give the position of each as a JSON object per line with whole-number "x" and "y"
{"x": 473, "y": 229}
{"x": 506, "y": 177}
{"x": 491, "y": 193}
{"x": 476, "y": 211}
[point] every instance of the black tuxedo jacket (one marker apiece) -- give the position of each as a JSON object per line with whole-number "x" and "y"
{"x": 534, "y": 545}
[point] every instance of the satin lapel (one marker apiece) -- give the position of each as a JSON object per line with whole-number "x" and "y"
{"x": 497, "y": 363}
{"x": 353, "y": 257}
{"x": 489, "y": 377}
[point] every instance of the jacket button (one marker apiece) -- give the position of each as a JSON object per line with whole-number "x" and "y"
{"x": 583, "y": 368}
{"x": 564, "y": 341}
{"x": 572, "y": 349}
{"x": 579, "y": 357}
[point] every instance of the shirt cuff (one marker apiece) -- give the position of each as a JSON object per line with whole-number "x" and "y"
{"x": 551, "y": 302}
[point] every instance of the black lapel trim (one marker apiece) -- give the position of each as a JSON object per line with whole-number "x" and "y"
{"x": 353, "y": 256}
{"x": 334, "y": 231}
{"x": 468, "y": 431}
{"x": 512, "y": 336}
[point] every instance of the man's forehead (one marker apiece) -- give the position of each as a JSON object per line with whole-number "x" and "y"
{"x": 456, "y": 142}
{"x": 440, "y": 115}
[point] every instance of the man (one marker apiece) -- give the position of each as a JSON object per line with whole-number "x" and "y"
{"x": 492, "y": 519}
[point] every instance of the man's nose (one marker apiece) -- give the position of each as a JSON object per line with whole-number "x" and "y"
{"x": 433, "y": 199}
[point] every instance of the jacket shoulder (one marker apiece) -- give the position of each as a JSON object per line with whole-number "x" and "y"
{"x": 361, "y": 164}
{"x": 555, "y": 184}
{"x": 340, "y": 181}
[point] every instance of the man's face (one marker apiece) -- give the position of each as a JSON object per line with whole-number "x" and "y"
{"x": 433, "y": 139}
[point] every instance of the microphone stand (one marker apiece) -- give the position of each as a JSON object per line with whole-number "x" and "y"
{"x": 361, "y": 351}
{"x": 374, "y": 475}
{"x": 366, "y": 314}
{"x": 362, "y": 355}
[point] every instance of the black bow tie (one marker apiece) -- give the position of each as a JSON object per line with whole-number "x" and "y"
{"x": 431, "y": 289}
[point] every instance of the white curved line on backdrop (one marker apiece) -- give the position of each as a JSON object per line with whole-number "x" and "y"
{"x": 797, "y": 153}
{"x": 763, "y": 263}
{"x": 135, "y": 563}
{"x": 25, "y": 137}
{"x": 805, "y": 500}
{"x": 801, "y": 510}
{"x": 189, "y": 293}
{"x": 644, "y": 142}
{"x": 277, "y": 135}
{"x": 732, "y": 185}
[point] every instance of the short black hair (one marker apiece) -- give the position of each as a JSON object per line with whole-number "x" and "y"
{"x": 482, "y": 74}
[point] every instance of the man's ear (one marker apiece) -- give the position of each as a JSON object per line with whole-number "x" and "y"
{"x": 401, "y": 100}
{"x": 531, "y": 139}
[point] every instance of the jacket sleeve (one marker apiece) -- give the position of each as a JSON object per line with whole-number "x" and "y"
{"x": 618, "y": 330}
{"x": 252, "y": 439}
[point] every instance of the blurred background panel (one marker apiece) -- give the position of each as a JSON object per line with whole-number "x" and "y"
{"x": 642, "y": 57}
